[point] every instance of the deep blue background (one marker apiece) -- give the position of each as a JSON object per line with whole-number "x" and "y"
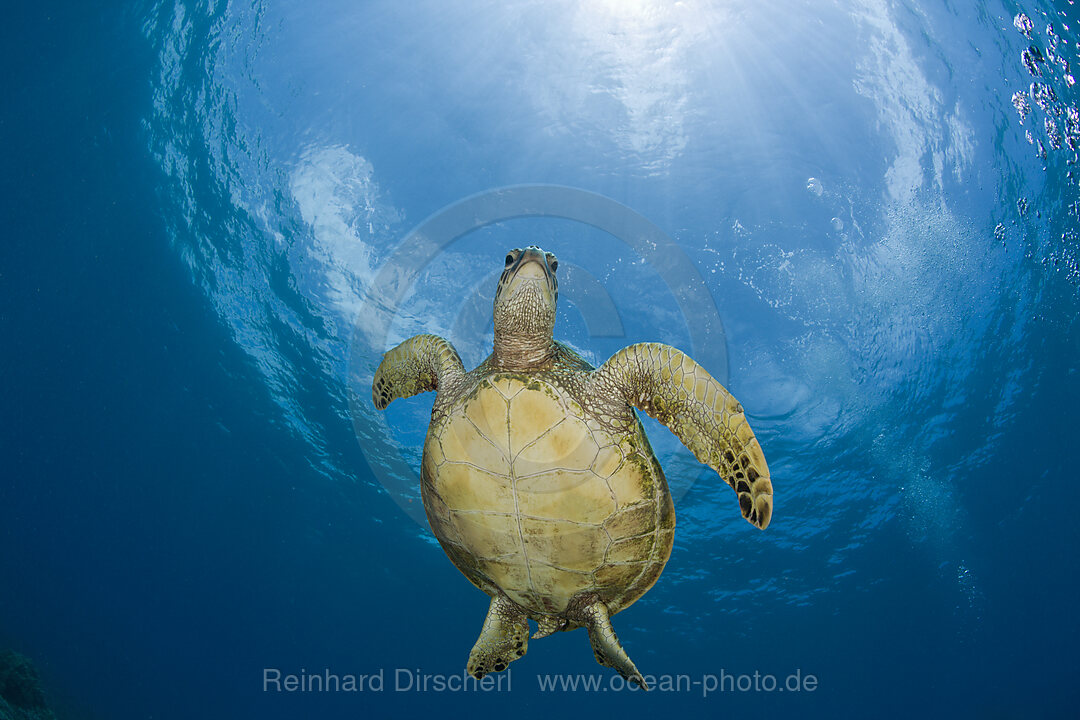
{"x": 163, "y": 536}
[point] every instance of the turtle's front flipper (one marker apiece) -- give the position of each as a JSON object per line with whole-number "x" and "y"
{"x": 678, "y": 392}
{"x": 503, "y": 639}
{"x": 593, "y": 614}
{"x": 421, "y": 363}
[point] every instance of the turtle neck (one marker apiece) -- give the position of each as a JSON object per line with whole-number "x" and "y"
{"x": 521, "y": 351}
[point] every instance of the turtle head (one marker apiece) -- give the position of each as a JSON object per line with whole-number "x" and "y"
{"x": 525, "y": 308}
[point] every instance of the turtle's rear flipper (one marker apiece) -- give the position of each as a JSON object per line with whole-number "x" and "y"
{"x": 593, "y": 614}
{"x": 503, "y": 639}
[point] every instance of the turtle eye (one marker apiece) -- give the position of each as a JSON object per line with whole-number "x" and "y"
{"x": 509, "y": 259}
{"x": 553, "y": 262}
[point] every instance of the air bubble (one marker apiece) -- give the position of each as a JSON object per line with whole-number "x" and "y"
{"x": 814, "y": 186}
{"x": 1043, "y": 95}
{"x": 837, "y": 224}
{"x": 1023, "y": 23}
{"x": 1032, "y": 58}
{"x": 1052, "y": 134}
{"x": 1020, "y": 102}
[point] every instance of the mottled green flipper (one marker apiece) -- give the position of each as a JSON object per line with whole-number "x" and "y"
{"x": 503, "y": 639}
{"x": 593, "y": 614}
{"x": 420, "y": 364}
{"x": 669, "y": 386}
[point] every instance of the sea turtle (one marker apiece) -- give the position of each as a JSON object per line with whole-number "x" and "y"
{"x": 537, "y": 477}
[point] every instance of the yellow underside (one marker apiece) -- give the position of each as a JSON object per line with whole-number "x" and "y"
{"x": 529, "y": 495}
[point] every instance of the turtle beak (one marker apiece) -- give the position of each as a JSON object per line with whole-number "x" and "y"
{"x": 533, "y": 268}
{"x": 532, "y": 265}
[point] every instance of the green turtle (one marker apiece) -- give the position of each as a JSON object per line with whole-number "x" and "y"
{"x": 537, "y": 477}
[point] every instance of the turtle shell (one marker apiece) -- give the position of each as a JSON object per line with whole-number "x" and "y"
{"x": 529, "y": 494}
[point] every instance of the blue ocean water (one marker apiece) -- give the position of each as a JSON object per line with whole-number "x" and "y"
{"x": 878, "y": 203}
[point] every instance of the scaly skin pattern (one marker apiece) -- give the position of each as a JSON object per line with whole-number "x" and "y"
{"x": 420, "y": 364}
{"x": 503, "y": 638}
{"x": 672, "y": 388}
